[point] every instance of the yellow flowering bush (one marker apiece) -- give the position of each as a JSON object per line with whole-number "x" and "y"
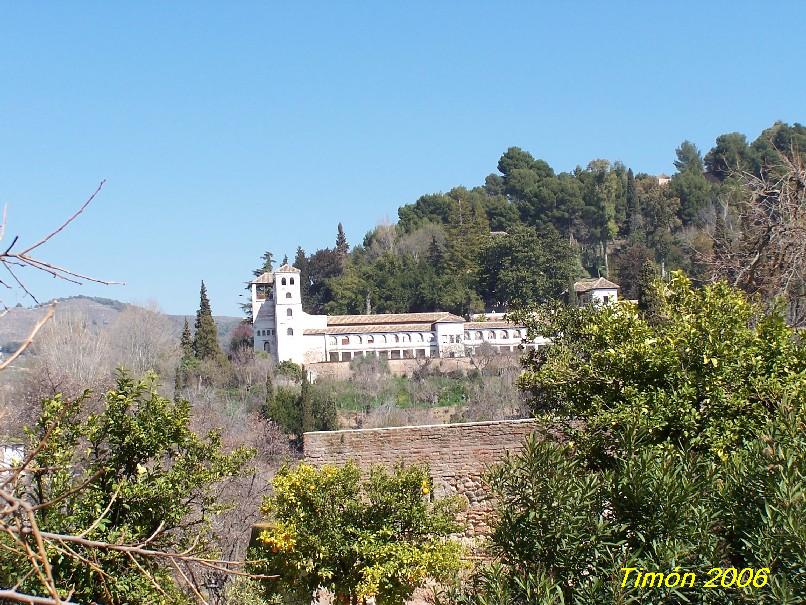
{"x": 378, "y": 536}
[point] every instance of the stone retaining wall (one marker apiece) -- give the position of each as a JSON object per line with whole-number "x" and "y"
{"x": 457, "y": 455}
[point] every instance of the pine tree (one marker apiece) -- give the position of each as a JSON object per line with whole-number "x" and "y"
{"x": 205, "y": 340}
{"x": 342, "y": 247}
{"x": 267, "y": 266}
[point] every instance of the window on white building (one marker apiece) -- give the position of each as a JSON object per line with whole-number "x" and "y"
{"x": 479, "y": 335}
{"x": 289, "y": 312}
{"x": 290, "y": 331}
{"x": 288, "y": 294}
{"x": 370, "y": 339}
{"x": 345, "y": 340}
{"x": 331, "y": 340}
{"x": 282, "y": 281}
{"x": 292, "y": 281}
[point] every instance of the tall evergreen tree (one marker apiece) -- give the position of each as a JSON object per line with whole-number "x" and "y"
{"x": 342, "y": 247}
{"x": 186, "y": 341}
{"x": 648, "y": 297}
{"x": 301, "y": 263}
{"x": 634, "y": 219}
{"x": 306, "y": 403}
{"x": 267, "y": 266}
{"x": 205, "y": 340}
{"x": 573, "y": 300}
{"x": 689, "y": 158}
{"x": 436, "y": 254}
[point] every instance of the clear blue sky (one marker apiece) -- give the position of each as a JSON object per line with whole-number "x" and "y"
{"x": 225, "y": 129}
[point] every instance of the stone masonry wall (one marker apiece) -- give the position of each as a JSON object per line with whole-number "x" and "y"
{"x": 457, "y": 455}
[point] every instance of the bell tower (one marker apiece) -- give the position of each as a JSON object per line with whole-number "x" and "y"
{"x": 288, "y": 313}
{"x": 263, "y": 315}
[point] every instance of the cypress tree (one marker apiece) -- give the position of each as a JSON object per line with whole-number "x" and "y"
{"x": 306, "y": 403}
{"x": 186, "y": 342}
{"x": 573, "y": 301}
{"x": 342, "y": 247}
{"x": 634, "y": 218}
{"x": 649, "y": 301}
{"x": 301, "y": 263}
{"x": 205, "y": 340}
{"x": 436, "y": 255}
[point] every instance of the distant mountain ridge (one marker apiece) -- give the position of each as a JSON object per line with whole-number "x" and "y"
{"x": 17, "y": 323}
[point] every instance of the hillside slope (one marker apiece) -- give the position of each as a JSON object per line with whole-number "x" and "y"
{"x": 100, "y": 312}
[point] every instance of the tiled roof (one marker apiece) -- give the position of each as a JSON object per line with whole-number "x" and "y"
{"x": 265, "y": 278}
{"x": 595, "y": 283}
{"x": 286, "y": 268}
{"x": 371, "y": 329}
{"x": 392, "y": 318}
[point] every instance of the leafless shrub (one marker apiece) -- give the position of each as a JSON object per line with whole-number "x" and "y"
{"x": 69, "y": 356}
{"x": 142, "y": 339}
{"x": 494, "y": 398}
{"x": 767, "y": 254}
{"x": 389, "y": 414}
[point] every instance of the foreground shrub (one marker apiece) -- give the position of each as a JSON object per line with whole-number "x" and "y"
{"x": 131, "y": 473}
{"x": 382, "y": 536}
{"x": 565, "y": 533}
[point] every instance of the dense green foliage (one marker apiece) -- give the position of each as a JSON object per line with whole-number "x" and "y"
{"x": 566, "y": 533}
{"x": 685, "y": 451}
{"x": 129, "y": 472}
{"x": 448, "y": 250}
{"x": 299, "y": 410}
{"x": 705, "y": 371}
{"x": 205, "y": 337}
{"x": 382, "y": 536}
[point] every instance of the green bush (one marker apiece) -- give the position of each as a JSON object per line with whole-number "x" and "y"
{"x": 706, "y": 374}
{"x": 120, "y": 474}
{"x": 565, "y": 533}
{"x": 382, "y": 536}
{"x": 685, "y": 450}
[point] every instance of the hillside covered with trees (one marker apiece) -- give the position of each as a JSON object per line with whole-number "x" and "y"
{"x": 528, "y": 232}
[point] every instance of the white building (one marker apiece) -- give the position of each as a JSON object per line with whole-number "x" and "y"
{"x": 596, "y": 290}
{"x": 282, "y": 329}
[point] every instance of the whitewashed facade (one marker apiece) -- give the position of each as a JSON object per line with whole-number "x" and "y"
{"x": 597, "y": 291}
{"x": 283, "y": 330}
